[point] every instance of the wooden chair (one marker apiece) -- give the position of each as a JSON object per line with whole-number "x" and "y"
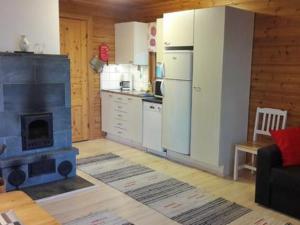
{"x": 266, "y": 119}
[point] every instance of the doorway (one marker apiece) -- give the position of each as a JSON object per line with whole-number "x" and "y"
{"x": 74, "y": 42}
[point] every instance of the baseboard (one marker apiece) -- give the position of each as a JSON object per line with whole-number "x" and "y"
{"x": 187, "y": 161}
{"x": 125, "y": 141}
{"x": 172, "y": 156}
{"x": 156, "y": 153}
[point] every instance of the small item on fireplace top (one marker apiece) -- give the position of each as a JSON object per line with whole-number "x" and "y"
{"x": 24, "y": 43}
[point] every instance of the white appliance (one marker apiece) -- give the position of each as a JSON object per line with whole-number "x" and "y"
{"x": 177, "y": 89}
{"x": 152, "y": 126}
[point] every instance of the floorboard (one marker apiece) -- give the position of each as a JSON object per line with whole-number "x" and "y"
{"x": 104, "y": 197}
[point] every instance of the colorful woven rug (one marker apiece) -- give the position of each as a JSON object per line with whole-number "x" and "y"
{"x": 177, "y": 200}
{"x": 100, "y": 218}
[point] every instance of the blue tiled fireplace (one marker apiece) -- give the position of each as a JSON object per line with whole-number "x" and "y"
{"x": 35, "y": 120}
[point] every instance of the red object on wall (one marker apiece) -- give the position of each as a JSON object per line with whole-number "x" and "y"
{"x": 104, "y": 52}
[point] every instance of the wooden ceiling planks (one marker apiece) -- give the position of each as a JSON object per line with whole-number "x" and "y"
{"x": 148, "y": 12}
{"x": 99, "y": 10}
{"x": 117, "y": 3}
{"x": 151, "y": 9}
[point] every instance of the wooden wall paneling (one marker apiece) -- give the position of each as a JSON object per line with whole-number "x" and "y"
{"x": 103, "y": 29}
{"x": 101, "y": 20}
{"x": 152, "y": 67}
{"x": 276, "y": 66}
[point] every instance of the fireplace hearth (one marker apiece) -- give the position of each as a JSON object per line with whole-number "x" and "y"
{"x": 37, "y": 131}
{"x": 35, "y": 128}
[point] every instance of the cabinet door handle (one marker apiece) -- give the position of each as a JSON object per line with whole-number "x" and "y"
{"x": 130, "y": 61}
{"x": 151, "y": 107}
{"x": 167, "y": 43}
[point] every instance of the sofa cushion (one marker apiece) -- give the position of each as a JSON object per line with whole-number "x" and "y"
{"x": 287, "y": 177}
{"x": 288, "y": 141}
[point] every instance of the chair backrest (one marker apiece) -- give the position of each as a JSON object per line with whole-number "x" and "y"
{"x": 268, "y": 119}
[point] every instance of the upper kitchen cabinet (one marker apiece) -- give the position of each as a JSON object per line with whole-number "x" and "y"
{"x": 178, "y": 29}
{"x": 131, "y": 46}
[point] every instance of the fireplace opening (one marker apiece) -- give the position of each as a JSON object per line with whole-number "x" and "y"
{"x": 37, "y": 130}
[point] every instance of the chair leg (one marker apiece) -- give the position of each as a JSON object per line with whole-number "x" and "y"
{"x": 236, "y": 164}
{"x": 252, "y": 163}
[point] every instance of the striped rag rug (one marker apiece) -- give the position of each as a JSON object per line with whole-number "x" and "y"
{"x": 175, "y": 199}
{"x": 9, "y": 218}
{"x": 100, "y": 218}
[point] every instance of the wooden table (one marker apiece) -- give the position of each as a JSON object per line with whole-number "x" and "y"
{"x": 26, "y": 209}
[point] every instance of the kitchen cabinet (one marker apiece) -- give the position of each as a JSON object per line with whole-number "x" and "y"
{"x": 135, "y": 118}
{"x": 159, "y": 41}
{"x": 221, "y": 84}
{"x": 106, "y": 113}
{"x": 178, "y": 29}
{"x": 131, "y": 43}
{"x": 122, "y": 116}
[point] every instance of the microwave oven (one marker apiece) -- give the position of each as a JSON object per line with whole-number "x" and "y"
{"x": 158, "y": 88}
{"x": 125, "y": 85}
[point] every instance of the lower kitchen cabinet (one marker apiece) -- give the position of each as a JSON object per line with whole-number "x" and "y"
{"x": 122, "y": 116}
{"x": 135, "y": 119}
{"x": 106, "y": 112}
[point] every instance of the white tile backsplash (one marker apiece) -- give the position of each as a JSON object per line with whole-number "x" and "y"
{"x": 113, "y": 74}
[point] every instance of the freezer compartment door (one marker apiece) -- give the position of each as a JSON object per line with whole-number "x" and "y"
{"x": 178, "y": 65}
{"x": 177, "y": 116}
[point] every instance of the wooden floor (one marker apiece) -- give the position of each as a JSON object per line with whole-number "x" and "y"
{"x": 103, "y": 197}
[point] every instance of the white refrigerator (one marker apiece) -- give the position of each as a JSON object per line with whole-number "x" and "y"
{"x": 177, "y": 98}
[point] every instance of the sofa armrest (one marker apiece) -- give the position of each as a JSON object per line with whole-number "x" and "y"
{"x": 267, "y": 158}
